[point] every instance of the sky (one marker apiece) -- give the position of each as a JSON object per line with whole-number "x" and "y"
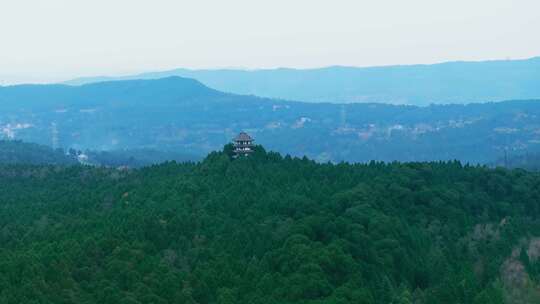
{"x": 55, "y": 40}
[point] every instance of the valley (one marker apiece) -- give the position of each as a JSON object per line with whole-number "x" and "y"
{"x": 184, "y": 116}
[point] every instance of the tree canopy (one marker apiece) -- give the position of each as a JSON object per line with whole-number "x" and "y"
{"x": 267, "y": 229}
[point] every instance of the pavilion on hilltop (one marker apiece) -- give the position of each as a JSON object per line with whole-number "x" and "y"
{"x": 243, "y": 144}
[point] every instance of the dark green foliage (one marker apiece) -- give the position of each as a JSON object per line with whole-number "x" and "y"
{"x": 135, "y": 158}
{"x": 17, "y": 152}
{"x": 261, "y": 229}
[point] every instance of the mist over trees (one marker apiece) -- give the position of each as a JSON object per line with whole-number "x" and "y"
{"x": 179, "y": 114}
{"x": 17, "y": 152}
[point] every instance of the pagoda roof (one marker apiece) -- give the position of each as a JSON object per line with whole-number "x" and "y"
{"x": 243, "y": 136}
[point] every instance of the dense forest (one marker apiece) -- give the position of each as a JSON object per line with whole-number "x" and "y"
{"x": 135, "y": 158}
{"x": 269, "y": 229}
{"x": 18, "y": 152}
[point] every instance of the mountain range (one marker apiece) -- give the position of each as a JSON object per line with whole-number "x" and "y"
{"x": 184, "y": 116}
{"x": 450, "y": 82}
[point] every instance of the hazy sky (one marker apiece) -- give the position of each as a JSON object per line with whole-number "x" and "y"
{"x": 49, "y": 40}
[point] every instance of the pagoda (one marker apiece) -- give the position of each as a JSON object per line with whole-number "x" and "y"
{"x": 243, "y": 144}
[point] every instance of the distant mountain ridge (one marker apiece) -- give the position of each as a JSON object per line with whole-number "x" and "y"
{"x": 182, "y": 115}
{"x": 92, "y": 94}
{"x": 450, "y": 82}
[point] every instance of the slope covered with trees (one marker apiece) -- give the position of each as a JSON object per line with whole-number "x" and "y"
{"x": 269, "y": 229}
{"x": 135, "y": 158}
{"x": 17, "y": 152}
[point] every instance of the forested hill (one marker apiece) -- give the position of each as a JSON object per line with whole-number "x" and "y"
{"x": 148, "y": 93}
{"x": 450, "y": 82}
{"x": 269, "y": 229}
{"x": 17, "y": 152}
{"x": 177, "y": 114}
